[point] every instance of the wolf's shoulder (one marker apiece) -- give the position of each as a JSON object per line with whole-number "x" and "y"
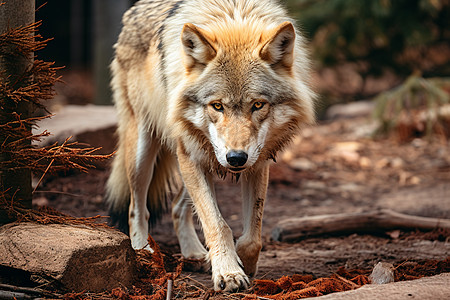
{"x": 143, "y": 21}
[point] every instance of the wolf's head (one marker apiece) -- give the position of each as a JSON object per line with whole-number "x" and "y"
{"x": 245, "y": 93}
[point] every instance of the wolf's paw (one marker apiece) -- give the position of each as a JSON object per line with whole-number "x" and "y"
{"x": 248, "y": 252}
{"x": 229, "y": 277}
{"x": 231, "y": 282}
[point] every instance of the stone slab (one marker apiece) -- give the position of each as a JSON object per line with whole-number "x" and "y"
{"x": 434, "y": 287}
{"x": 79, "y": 258}
{"x": 91, "y": 124}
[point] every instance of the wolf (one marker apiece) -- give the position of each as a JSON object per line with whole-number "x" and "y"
{"x": 204, "y": 88}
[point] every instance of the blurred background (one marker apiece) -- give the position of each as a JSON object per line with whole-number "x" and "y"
{"x": 360, "y": 48}
{"x": 382, "y": 72}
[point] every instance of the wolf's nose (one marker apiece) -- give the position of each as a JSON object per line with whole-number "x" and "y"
{"x": 237, "y": 158}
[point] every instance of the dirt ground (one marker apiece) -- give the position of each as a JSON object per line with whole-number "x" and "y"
{"x": 334, "y": 167}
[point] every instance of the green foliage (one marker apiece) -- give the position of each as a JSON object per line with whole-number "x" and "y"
{"x": 376, "y": 34}
{"x": 415, "y": 95}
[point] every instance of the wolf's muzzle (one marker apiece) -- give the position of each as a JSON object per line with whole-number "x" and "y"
{"x": 237, "y": 158}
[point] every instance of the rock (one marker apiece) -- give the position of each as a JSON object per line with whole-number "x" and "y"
{"x": 397, "y": 163}
{"x": 302, "y": 164}
{"x": 78, "y": 258}
{"x": 347, "y": 146}
{"x": 314, "y": 184}
{"x": 90, "y": 124}
{"x": 351, "y": 187}
{"x": 287, "y": 155}
{"x": 382, "y": 163}
{"x": 382, "y": 273}
{"x": 394, "y": 234}
{"x": 350, "y": 110}
{"x": 347, "y": 151}
{"x": 434, "y": 287}
{"x": 365, "y": 162}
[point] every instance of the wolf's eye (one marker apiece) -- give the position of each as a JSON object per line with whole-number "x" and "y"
{"x": 217, "y": 106}
{"x": 257, "y": 105}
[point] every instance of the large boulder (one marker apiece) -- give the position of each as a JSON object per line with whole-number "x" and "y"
{"x": 78, "y": 258}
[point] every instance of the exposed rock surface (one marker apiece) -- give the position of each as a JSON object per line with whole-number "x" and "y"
{"x": 91, "y": 124}
{"x": 434, "y": 287}
{"x": 77, "y": 257}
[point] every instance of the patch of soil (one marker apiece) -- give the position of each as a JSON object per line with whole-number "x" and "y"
{"x": 160, "y": 275}
{"x": 334, "y": 167}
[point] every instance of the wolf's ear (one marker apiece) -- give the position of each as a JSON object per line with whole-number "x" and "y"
{"x": 280, "y": 46}
{"x": 196, "y": 46}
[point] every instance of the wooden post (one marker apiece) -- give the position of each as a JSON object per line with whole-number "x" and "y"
{"x": 15, "y": 13}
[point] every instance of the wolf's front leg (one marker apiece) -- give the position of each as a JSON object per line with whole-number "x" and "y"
{"x": 227, "y": 273}
{"x": 254, "y": 188}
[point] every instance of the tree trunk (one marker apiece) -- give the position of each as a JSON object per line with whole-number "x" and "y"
{"x": 107, "y": 26}
{"x": 17, "y": 183}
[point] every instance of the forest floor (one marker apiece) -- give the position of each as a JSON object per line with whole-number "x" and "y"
{"x": 333, "y": 167}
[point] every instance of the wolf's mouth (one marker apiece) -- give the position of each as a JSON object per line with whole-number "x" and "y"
{"x": 236, "y": 170}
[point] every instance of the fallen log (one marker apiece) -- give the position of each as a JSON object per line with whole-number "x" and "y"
{"x": 363, "y": 222}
